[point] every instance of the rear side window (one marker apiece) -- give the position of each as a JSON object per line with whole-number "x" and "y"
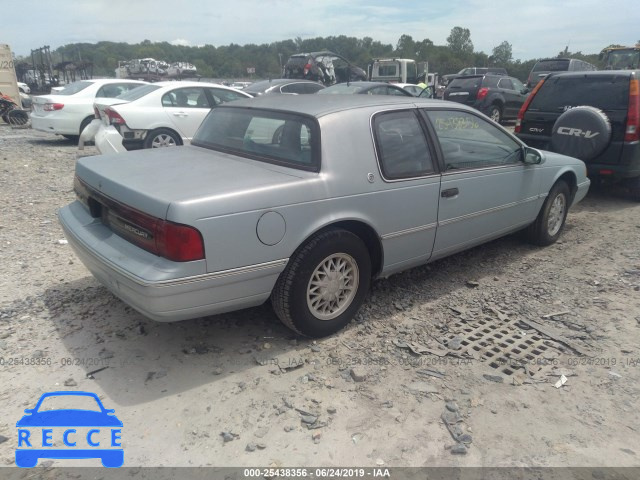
{"x": 273, "y": 137}
{"x": 559, "y": 65}
{"x": 560, "y": 93}
{"x": 73, "y": 88}
{"x": 139, "y": 92}
{"x": 401, "y": 145}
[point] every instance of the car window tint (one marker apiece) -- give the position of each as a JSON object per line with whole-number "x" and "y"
{"x": 274, "y": 137}
{"x": 74, "y": 88}
{"x": 312, "y": 87}
{"x": 139, "y": 92}
{"x": 505, "y": 83}
{"x": 185, "y": 98}
{"x": 221, "y": 95}
{"x": 468, "y": 141}
{"x": 401, "y": 145}
{"x": 560, "y": 93}
{"x": 113, "y": 90}
{"x": 293, "y": 88}
{"x": 517, "y": 84}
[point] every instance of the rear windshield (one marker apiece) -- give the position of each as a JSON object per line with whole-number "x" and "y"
{"x": 138, "y": 92}
{"x": 563, "y": 92}
{"x": 466, "y": 83}
{"x": 551, "y": 66}
{"x": 282, "y": 138}
{"x": 73, "y": 88}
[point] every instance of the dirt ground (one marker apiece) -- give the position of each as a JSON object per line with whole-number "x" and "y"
{"x": 452, "y": 349}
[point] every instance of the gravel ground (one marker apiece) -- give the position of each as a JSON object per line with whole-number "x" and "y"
{"x": 451, "y": 364}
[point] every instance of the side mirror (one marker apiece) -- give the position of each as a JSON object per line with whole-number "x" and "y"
{"x": 524, "y": 91}
{"x": 532, "y": 156}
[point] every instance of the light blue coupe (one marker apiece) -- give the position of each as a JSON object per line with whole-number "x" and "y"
{"x": 305, "y": 200}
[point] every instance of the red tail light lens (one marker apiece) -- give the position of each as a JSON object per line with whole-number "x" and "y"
{"x": 525, "y": 105}
{"x": 482, "y": 93}
{"x": 307, "y": 68}
{"x": 51, "y": 107}
{"x": 632, "y": 130}
{"x": 173, "y": 241}
{"x": 114, "y": 117}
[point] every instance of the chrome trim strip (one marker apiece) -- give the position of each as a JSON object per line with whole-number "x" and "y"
{"x": 216, "y": 275}
{"x": 489, "y": 210}
{"x": 409, "y": 231}
{"x": 177, "y": 281}
{"x": 458, "y": 171}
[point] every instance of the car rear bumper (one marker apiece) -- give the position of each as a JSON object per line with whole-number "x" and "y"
{"x": 57, "y": 124}
{"x": 108, "y": 140}
{"x": 168, "y": 291}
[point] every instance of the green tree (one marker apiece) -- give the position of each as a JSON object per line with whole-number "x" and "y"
{"x": 459, "y": 40}
{"x": 502, "y": 54}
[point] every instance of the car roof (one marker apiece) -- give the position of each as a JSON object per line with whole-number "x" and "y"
{"x": 595, "y": 73}
{"x": 322, "y": 105}
{"x": 260, "y": 85}
{"x": 187, "y": 83}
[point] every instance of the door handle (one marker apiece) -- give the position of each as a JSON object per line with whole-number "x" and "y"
{"x": 449, "y": 192}
{"x": 180, "y": 114}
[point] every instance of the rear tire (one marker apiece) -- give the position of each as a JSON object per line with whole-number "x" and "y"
{"x": 162, "y": 137}
{"x": 551, "y": 219}
{"x": 324, "y": 284}
{"x": 495, "y": 113}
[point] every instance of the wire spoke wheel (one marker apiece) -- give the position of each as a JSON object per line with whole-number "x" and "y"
{"x": 556, "y": 214}
{"x": 333, "y": 286}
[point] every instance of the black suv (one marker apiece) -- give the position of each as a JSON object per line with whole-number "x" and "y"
{"x": 593, "y": 116}
{"x": 324, "y": 67}
{"x": 497, "y": 96}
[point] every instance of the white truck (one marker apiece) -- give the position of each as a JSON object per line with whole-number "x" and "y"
{"x": 397, "y": 70}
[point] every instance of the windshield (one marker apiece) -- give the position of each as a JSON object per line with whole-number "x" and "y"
{"x": 623, "y": 60}
{"x": 551, "y": 66}
{"x": 562, "y": 92}
{"x": 74, "y": 88}
{"x": 287, "y": 139}
{"x": 138, "y": 92}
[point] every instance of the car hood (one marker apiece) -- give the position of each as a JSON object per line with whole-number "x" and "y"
{"x": 69, "y": 418}
{"x": 152, "y": 180}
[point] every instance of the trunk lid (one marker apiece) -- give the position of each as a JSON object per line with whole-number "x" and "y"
{"x": 464, "y": 89}
{"x": 152, "y": 180}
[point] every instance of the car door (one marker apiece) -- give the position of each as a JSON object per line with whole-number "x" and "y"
{"x": 186, "y": 108}
{"x": 486, "y": 189}
{"x": 409, "y": 202}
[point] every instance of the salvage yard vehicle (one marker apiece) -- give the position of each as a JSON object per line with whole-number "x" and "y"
{"x": 70, "y": 110}
{"x": 542, "y": 68}
{"x": 366, "y": 88}
{"x": 497, "y": 96}
{"x": 305, "y": 200}
{"x": 324, "y": 67}
{"x": 283, "y": 85}
{"x": 593, "y": 116}
{"x": 397, "y": 70}
{"x": 163, "y": 114}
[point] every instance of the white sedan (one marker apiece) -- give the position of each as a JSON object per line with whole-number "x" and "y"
{"x": 163, "y": 114}
{"x": 70, "y": 110}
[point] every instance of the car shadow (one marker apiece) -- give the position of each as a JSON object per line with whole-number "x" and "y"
{"x": 137, "y": 360}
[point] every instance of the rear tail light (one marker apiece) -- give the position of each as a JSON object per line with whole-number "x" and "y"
{"x": 51, "y": 107}
{"x": 482, "y": 93}
{"x": 525, "y": 105}
{"x": 307, "y": 69}
{"x": 632, "y": 129}
{"x": 114, "y": 117}
{"x": 173, "y": 241}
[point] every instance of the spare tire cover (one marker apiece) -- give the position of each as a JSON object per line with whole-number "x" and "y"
{"x": 582, "y": 132}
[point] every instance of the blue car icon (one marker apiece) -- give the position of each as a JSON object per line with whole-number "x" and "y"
{"x": 99, "y": 424}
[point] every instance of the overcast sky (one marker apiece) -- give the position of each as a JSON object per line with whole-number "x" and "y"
{"x": 534, "y": 28}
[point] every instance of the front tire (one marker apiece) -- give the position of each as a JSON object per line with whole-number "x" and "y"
{"x": 551, "y": 219}
{"x": 162, "y": 137}
{"x": 324, "y": 284}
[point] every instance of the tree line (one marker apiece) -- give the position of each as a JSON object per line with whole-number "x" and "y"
{"x": 232, "y": 61}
